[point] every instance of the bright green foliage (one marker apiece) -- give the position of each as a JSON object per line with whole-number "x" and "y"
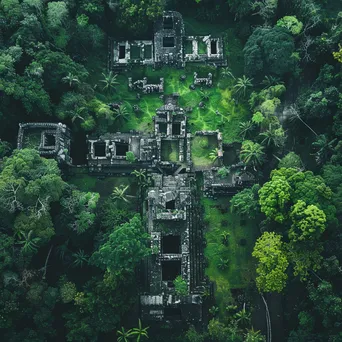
{"x": 242, "y": 84}
{"x": 291, "y": 23}
{"x": 68, "y": 292}
{"x": 181, "y": 286}
{"x": 130, "y": 157}
{"x": 268, "y": 107}
{"x": 338, "y": 54}
{"x": 252, "y": 154}
{"x": 254, "y": 336}
{"x": 308, "y": 222}
{"x": 272, "y": 263}
{"x": 133, "y": 15}
{"x": 29, "y": 227}
{"x": 291, "y": 160}
{"x": 289, "y": 186}
{"x": 124, "y": 248}
{"x": 57, "y": 13}
{"x": 258, "y": 118}
{"x": 246, "y": 128}
{"x": 269, "y": 51}
{"x": 81, "y": 206}
{"x": 245, "y": 202}
{"x": 305, "y": 258}
{"x": 274, "y": 136}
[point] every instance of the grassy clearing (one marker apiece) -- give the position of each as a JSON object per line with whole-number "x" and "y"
{"x": 243, "y": 233}
{"x": 201, "y": 146}
{"x": 220, "y": 112}
{"x": 230, "y": 113}
{"x": 105, "y": 186}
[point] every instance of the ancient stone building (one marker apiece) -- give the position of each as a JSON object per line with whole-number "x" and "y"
{"x": 174, "y": 226}
{"x": 50, "y": 139}
{"x": 169, "y": 46}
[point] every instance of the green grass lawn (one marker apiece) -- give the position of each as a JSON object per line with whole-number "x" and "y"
{"x": 201, "y": 146}
{"x": 243, "y": 234}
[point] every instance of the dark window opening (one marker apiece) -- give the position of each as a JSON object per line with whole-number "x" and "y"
{"x": 170, "y": 270}
{"x": 163, "y": 128}
{"x": 148, "y": 52}
{"x": 213, "y": 47}
{"x": 171, "y": 205}
{"x": 173, "y": 313}
{"x": 121, "y": 149}
{"x": 171, "y": 244}
{"x": 122, "y": 52}
{"x": 168, "y": 23}
{"x": 176, "y": 129}
{"x": 50, "y": 140}
{"x": 100, "y": 149}
{"x": 168, "y": 42}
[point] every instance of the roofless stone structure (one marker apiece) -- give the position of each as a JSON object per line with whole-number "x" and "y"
{"x": 169, "y": 46}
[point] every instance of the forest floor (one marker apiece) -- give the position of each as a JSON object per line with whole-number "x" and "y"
{"x": 242, "y": 235}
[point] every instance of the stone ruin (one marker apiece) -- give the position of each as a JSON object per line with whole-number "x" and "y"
{"x": 145, "y": 87}
{"x": 107, "y": 153}
{"x": 203, "y": 81}
{"x": 172, "y": 206}
{"x": 238, "y": 179}
{"x": 50, "y": 139}
{"x": 173, "y": 221}
{"x": 169, "y": 46}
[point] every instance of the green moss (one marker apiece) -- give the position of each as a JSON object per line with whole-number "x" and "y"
{"x": 170, "y": 150}
{"x": 218, "y": 218}
{"x": 201, "y": 146}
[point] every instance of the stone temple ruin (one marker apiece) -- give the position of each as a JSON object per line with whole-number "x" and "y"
{"x": 50, "y": 139}
{"x": 169, "y": 46}
{"x": 172, "y": 205}
{"x": 168, "y": 147}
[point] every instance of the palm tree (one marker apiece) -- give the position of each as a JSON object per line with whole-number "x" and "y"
{"x": 273, "y": 137}
{"x": 141, "y": 175}
{"x": 119, "y": 193}
{"x": 29, "y": 242}
{"x": 223, "y": 264}
{"x": 70, "y": 79}
{"x": 246, "y": 128}
{"x": 124, "y": 335}
{"x": 205, "y": 95}
{"x": 224, "y": 237}
{"x": 324, "y": 148}
{"x": 252, "y": 153}
{"x": 243, "y": 317}
{"x": 225, "y": 73}
{"x": 80, "y": 258}
{"x": 140, "y": 331}
{"x": 270, "y": 81}
{"x": 77, "y": 114}
{"x": 242, "y": 84}
{"x": 294, "y": 114}
{"x": 213, "y": 155}
{"x": 254, "y": 336}
{"x": 122, "y": 112}
{"x": 109, "y": 81}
